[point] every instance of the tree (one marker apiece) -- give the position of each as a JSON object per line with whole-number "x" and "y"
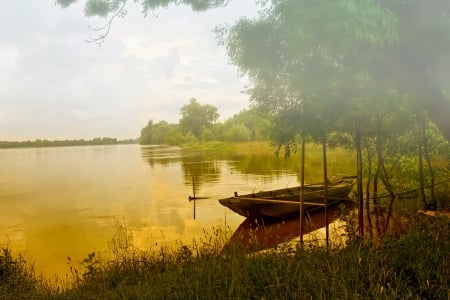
{"x": 334, "y": 51}
{"x": 196, "y": 117}
{"x": 254, "y": 121}
{"x": 418, "y": 63}
{"x": 160, "y": 132}
{"x": 146, "y": 137}
{"x": 238, "y": 133}
{"x": 165, "y": 133}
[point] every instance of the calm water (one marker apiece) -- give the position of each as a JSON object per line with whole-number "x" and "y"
{"x": 67, "y": 202}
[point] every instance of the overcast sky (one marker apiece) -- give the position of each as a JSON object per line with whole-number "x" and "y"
{"x": 54, "y": 85}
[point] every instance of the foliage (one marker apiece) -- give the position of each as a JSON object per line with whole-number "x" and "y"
{"x": 103, "y": 8}
{"x": 196, "y": 117}
{"x": 318, "y": 68}
{"x": 208, "y": 135}
{"x": 359, "y": 47}
{"x": 161, "y": 131}
{"x": 255, "y": 122}
{"x": 18, "y": 280}
{"x": 238, "y": 133}
{"x": 199, "y": 123}
{"x": 146, "y": 137}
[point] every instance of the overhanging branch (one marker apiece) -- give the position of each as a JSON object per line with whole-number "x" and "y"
{"x": 103, "y": 31}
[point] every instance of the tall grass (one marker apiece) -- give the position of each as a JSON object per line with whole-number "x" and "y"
{"x": 415, "y": 265}
{"x": 18, "y": 279}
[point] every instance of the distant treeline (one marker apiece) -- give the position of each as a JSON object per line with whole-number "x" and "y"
{"x": 199, "y": 123}
{"x": 62, "y": 143}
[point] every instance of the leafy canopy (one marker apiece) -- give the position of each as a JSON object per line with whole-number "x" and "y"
{"x": 195, "y": 117}
{"x": 321, "y": 55}
{"x": 102, "y": 8}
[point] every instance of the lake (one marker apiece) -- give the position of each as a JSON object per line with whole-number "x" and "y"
{"x": 69, "y": 201}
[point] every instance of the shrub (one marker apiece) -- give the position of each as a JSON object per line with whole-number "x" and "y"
{"x": 238, "y": 133}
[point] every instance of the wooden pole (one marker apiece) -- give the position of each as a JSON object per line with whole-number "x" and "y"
{"x": 325, "y": 187}
{"x": 420, "y": 160}
{"x": 193, "y": 191}
{"x": 359, "y": 179}
{"x": 302, "y": 191}
{"x": 193, "y": 187}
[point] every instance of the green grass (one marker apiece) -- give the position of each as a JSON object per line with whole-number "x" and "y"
{"x": 241, "y": 148}
{"x": 415, "y": 265}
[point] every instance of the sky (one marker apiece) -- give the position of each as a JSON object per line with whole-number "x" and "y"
{"x": 54, "y": 85}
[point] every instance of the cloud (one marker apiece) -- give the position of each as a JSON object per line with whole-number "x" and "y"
{"x": 54, "y": 85}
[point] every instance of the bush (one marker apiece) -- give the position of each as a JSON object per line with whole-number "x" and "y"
{"x": 238, "y": 133}
{"x": 208, "y": 135}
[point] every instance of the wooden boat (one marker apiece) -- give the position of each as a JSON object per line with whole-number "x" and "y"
{"x": 285, "y": 203}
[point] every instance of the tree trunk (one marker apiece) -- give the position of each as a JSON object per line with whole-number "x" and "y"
{"x": 386, "y": 181}
{"x": 426, "y": 152}
{"x": 368, "y": 183}
{"x": 359, "y": 167}
{"x": 420, "y": 161}
{"x": 379, "y": 153}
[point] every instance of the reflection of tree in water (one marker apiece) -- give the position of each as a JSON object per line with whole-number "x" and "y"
{"x": 200, "y": 166}
{"x": 163, "y": 155}
{"x": 262, "y": 165}
{"x": 205, "y": 166}
{"x": 274, "y": 166}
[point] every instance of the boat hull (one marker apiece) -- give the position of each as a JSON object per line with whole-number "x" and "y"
{"x": 285, "y": 203}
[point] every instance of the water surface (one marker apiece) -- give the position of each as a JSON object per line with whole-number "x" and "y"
{"x": 69, "y": 201}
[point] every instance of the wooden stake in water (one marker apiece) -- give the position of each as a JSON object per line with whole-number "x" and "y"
{"x": 302, "y": 191}
{"x": 325, "y": 187}
{"x": 193, "y": 186}
{"x": 193, "y": 191}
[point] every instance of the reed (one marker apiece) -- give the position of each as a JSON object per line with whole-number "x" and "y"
{"x": 18, "y": 279}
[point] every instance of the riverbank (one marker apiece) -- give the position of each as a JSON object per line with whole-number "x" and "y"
{"x": 413, "y": 265}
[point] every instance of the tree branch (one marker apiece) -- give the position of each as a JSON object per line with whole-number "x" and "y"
{"x": 104, "y": 30}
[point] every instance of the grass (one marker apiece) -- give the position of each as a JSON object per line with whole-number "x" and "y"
{"x": 415, "y": 265}
{"x": 241, "y": 148}
{"x": 18, "y": 280}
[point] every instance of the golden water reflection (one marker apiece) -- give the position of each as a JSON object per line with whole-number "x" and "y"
{"x": 67, "y": 202}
